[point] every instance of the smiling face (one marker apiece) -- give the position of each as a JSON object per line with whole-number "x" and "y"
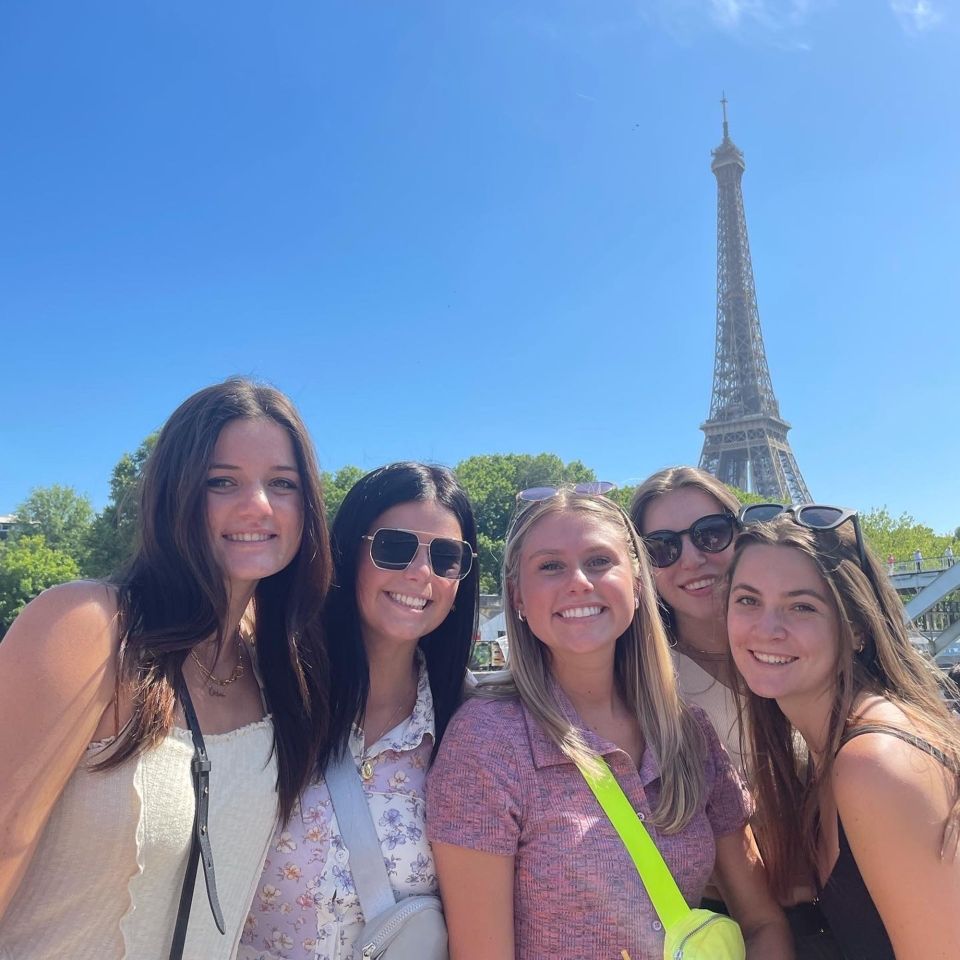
{"x": 783, "y": 627}
{"x": 689, "y": 586}
{"x": 575, "y": 584}
{"x": 253, "y": 502}
{"x": 401, "y": 606}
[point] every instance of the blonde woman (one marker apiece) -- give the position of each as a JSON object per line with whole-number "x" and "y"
{"x": 869, "y": 807}
{"x": 529, "y": 866}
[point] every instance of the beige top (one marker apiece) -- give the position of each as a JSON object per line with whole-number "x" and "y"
{"x": 105, "y": 880}
{"x": 719, "y": 703}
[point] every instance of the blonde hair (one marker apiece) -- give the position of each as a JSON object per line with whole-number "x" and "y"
{"x": 874, "y": 656}
{"x": 643, "y": 669}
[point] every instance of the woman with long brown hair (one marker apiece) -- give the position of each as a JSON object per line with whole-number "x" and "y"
{"x": 213, "y": 626}
{"x": 856, "y": 755}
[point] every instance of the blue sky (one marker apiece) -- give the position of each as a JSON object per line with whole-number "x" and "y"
{"x": 450, "y": 228}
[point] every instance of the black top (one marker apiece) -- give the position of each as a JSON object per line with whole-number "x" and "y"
{"x": 844, "y": 899}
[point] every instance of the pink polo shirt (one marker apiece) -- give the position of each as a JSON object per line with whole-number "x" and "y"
{"x": 500, "y": 785}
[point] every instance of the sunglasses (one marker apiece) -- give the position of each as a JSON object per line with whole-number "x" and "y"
{"x": 593, "y": 488}
{"x": 814, "y": 516}
{"x": 393, "y": 549}
{"x": 711, "y": 534}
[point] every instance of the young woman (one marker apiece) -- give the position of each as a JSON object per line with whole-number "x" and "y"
{"x": 529, "y": 866}
{"x": 871, "y": 811}
{"x": 401, "y": 622}
{"x": 97, "y": 806}
{"x": 688, "y": 520}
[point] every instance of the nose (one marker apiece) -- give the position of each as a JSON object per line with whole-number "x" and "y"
{"x": 420, "y": 567}
{"x": 691, "y": 556}
{"x": 579, "y": 580}
{"x": 770, "y": 623}
{"x": 257, "y": 501}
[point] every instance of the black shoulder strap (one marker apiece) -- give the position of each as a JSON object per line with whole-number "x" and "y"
{"x": 200, "y": 843}
{"x": 904, "y": 735}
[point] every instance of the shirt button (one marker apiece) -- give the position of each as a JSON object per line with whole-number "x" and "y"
{"x": 657, "y": 925}
{"x": 641, "y": 816}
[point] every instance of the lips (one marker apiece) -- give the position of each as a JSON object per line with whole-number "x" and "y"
{"x": 772, "y": 659}
{"x": 578, "y": 613}
{"x": 699, "y": 584}
{"x": 248, "y": 537}
{"x": 408, "y": 601}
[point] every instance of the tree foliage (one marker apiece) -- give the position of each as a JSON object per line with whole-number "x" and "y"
{"x": 28, "y": 565}
{"x": 900, "y": 536}
{"x": 113, "y": 533}
{"x": 336, "y": 486}
{"x": 60, "y": 515}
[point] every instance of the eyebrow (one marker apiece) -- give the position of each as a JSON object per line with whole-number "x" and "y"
{"x": 803, "y": 592}
{"x": 555, "y": 551}
{"x": 233, "y": 466}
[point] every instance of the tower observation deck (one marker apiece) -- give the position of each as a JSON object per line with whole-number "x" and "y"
{"x": 745, "y": 438}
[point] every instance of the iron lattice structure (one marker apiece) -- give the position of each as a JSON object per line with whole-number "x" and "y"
{"x": 745, "y": 441}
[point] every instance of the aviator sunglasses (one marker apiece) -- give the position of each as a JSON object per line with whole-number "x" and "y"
{"x": 393, "y": 549}
{"x": 711, "y": 534}
{"x": 593, "y": 488}
{"x": 814, "y": 516}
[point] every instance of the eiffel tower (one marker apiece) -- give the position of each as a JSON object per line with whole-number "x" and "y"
{"x": 745, "y": 440}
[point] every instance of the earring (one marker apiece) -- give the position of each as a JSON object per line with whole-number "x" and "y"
{"x": 520, "y": 616}
{"x": 636, "y": 602}
{"x": 862, "y": 645}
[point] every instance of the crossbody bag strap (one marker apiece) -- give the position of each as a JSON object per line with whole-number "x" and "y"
{"x": 200, "y": 835}
{"x": 370, "y": 878}
{"x": 659, "y": 883}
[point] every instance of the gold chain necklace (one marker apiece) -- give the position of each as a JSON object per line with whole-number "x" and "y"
{"x": 366, "y": 764}
{"x": 212, "y": 680}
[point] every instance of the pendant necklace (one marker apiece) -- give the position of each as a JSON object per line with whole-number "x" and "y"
{"x": 214, "y": 684}
{"x": 366, "y": 763}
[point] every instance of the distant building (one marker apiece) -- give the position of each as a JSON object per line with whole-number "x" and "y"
{"x": 6, "y": 525}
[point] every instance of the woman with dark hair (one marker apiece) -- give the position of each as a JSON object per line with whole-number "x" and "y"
{"x": 214, "y": 624}
{"x": 400, "y": 622}
{"x": 857, "y": 755}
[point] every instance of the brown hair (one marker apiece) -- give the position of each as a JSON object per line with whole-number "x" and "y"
{"x": 172, "y": 594}
{"x": 888, "y": 665}
{"x": 643, "y": 669}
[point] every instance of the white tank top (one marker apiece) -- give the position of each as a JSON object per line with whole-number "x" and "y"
{"x": 104, "y": 882}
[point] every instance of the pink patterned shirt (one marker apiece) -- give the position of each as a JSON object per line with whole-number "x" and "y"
{"x": 305, "y": 907}
{"x": 500, "y": 785}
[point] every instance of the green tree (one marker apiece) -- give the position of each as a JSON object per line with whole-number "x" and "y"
{"x": 61, "y": 516}
{"x": 900, "y": 536}
{"x": 113, "y": 533}
{"x": 336, "y": 486}
{"x": 28, "y": 565}
{"x": 492, "y": 482}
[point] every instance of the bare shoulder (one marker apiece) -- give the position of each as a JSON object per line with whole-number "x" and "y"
{"x": 68, "y": 630}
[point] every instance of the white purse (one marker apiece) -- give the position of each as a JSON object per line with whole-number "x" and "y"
{"x": 414, "y": 928}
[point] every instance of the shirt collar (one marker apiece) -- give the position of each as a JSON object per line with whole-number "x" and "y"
{"x": 409, "y": 733}
{"x": 547, "y": 754}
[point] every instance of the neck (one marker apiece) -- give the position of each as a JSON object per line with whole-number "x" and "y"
{"x": 811, "y": 717}
{"x": 707, "y": 636}
{"x": 393, "y": 673}
{"x": 590, "y": 686}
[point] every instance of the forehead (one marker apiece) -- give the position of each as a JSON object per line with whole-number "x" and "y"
{"x": 573, "y": 530}
{"x": 778, "y": 569}
{"x": 678, "y": 509}
{"x": 261, "y": 439}
{"x": 424, "y": 516}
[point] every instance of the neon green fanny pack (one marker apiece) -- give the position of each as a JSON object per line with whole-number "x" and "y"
{"x": 689, "y": 934}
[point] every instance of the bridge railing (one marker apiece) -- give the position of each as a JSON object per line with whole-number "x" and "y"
{"x": 924, "y": 565}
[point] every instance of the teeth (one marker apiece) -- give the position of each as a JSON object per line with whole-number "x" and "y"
{"x": 248, "y": 537}
{"x": 417, "y": 603}
{"x": 699, "y": 584}
{"x": 772, "y": 658}
{"x": 580, "y": 612}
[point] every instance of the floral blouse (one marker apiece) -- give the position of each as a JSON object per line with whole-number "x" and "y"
{"x": 305, "y": 907}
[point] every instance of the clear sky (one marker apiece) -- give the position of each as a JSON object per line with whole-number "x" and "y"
{"x": 457, "y": 228}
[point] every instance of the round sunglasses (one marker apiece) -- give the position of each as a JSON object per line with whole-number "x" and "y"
{"x": 711, "y": 534}
{"x": 394, "y": 549}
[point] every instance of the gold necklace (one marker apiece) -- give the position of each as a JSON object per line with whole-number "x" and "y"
{"x": 212, "y": 680}
{"x": 366, "y": 765}
{"x": 696, "y": 653}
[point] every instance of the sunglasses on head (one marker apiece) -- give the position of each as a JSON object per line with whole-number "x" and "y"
{"x": 814, "y": 516}
{"x": 711, "y": 534}
{"x": 592, "y": 488}
{"x": 393, "y": 549}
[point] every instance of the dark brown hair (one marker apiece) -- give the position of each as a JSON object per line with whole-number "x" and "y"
{"x": 172, "y": 594}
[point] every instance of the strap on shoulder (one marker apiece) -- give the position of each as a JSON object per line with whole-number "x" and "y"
{"x": 904, "y": 735}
